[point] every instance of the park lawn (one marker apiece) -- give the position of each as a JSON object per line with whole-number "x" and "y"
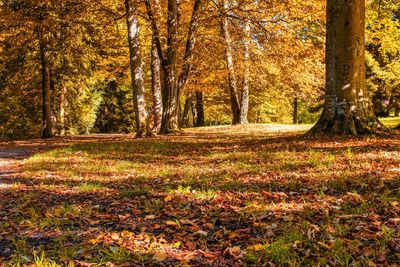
{"x": 223, "y": 196}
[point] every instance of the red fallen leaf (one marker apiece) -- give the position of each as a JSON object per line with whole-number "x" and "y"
{"x": 136, "y": 211}
{"x": 233, "y": 235}
{"x": 190, "y": 245}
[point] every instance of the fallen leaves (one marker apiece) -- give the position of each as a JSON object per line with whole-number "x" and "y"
{"x": 193, "y": 200}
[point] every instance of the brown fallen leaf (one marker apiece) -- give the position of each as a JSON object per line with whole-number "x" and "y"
{"x": 160, "y": 256}
{"x": 200, "y": 233}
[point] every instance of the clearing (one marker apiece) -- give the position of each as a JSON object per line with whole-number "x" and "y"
{"x": 225, "y": 196}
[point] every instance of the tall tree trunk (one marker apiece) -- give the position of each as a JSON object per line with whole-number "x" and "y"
{"x": 186, "y": 110}
{"x": 136, "y": 66}
{"x": 156, "y": 87}
{"x": 156, "y": 78}
{"x": 235, "y": 105}
{"x": 190, "y": 43}
{"x": 47, "y": 120}
{"x": 199, "y": 109}
{"x": 347, "y": 108}
{"x": 244, "y": 109}
{"x": 62, "y": 110}
{"x": 170, "y": 119}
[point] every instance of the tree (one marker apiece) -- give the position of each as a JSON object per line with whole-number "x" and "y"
{"x": 347, "y": 109}
{"x": 232, "y": 81}
{"x": 136, "y": 66}
{"x": 174, "y": 80}
{"x": 156, "y": 77}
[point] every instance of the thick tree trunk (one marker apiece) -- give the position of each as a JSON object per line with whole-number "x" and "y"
{"x": 136, "y": 66}
{"x": 199, "y": 110}
{"x": 47, "y": 120}
{"x": 171, "y": 105}
{"x": 347, "y": 108}
{"x": 235, "y": 105}
{"x": 244, "y": 109}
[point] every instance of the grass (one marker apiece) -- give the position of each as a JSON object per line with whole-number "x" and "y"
{"x": 207, "y": 197}
{"x": 390, "y": 122}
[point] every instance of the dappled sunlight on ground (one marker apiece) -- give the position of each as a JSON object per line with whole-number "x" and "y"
{"x": 223, "y": 196}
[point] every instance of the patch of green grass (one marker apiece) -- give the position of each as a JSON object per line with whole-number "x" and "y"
{"x": 113, "y": 254}
{"x": 281, "y": 252}
{"x": 90, "y": 187}
{"x": 134, "y": 192}
{"x": 391, "y": 122}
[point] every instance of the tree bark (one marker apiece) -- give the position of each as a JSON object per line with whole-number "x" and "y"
{"x": 47, "y": 120}
{"x": 190, "y": 43}
{"x": 156, "y": 87}
{"x": 156, "y": 78}
{"x": 244, "y": 109}
{"x": 170, "y": 119}
{"x": 136, "y": 66}
{"x": 194, "y": 111}
{"x": 186, "y": 110}
{"x": 199, "y": 110}
{"x": 347, "y": 108}
{"x": 62, "y": 110}
{"x": 235, "y": 105}
{"x": 296, "y": 110}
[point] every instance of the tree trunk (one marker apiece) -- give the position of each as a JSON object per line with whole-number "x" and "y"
{"x": 47, "y": 123}
{"x": 188, "y": 105}
{"x": 61, "y": 119}
{"x": 347, "y": 108}
{"x": 244, "y": 109}
{"x": 156, "y": 88}
{"x": 190, "y": 43}
{"x": 156, "y": 78}
{"x": 199, "y": 110}
{"x": 194, "y": 111}
{"x": 170, "y": 119}
{"x": 296, "y": 110}
{"x": 136, "y": 66}
{"x": 235, "y": 105}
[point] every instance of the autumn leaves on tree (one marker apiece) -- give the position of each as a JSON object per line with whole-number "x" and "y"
{"x": 197, "y": 62}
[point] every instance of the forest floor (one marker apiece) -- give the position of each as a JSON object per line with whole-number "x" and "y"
{"x": 257, "y": 195}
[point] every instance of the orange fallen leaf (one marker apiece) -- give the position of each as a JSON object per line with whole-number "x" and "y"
{"x": 170, "y": 223}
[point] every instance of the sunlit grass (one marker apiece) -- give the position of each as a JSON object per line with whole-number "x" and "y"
{"x": 230, "y": 192}
{"x": 390, "y": 122}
